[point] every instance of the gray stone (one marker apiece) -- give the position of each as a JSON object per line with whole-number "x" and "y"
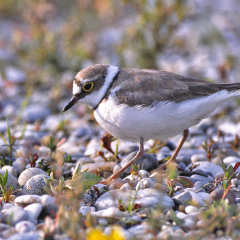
{"x": 47, "y": 200}
{"x": 198, "y": 157}
{"x": 26, "y": 236}
{"x": 10, "y": 170}
{"x": 33, "y": 210}
{"x": 190, "y": 209}
{"x": 15, "y": 75}
{"x": 111, "y": 212}
{"x": 184, "y": 198}
{"x": 147, "y": 198}
{"x": 35, "y": 112}
{"x": 208, "y": 167}
{"x": 145, "y": 183}
{"x": 25, "y": 226}
{"x": 15, "y": 214}
{"x": 27, "y": 199}
{"x": 20, "y": 164}
{"x": 231, "y": 160}
{"x": 35, "y": 185}
{"x": 28, "y": 173}
{"x": 12, "y": 181}
{"x": 147, "y": 162}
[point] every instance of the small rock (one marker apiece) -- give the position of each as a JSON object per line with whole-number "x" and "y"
{"x": 10, "y": 169}
{"x": 33, "y": 210}
{"x": 143, "y": 173}
{"x": 147, "y": 162}
{"x": 145, "y": 198}
{"x": 125, "y": 186}
{"x": 28, "y": 173}
{"x": 231, "y": 160}
{"x": 145, "y": 183}
{"x": 47, "y": 200}
{"x": 111, "y": 212}
{"x": 15, "y": 75}
{"x": 15, "y": 214}
{"x": 208, "y": 167}
{"x": 116, "y": 184}
{"x": 184, "y": 198}
{"x": 101, "y": 166}
{"x": 35, "y": 112}
{"x": 35, "y": 185}
{"x": 198, "y": 157}
{"x": 191, "y": 209}
{"x": 20, "y": 164}
{"x": 27, "y": 199}
{"x": 25, "y": 226}
{"x": 12, "y": 181}
{"x": 84, "y": 210}
{"x": 25, "y": 236}
{"x": 218, "y": 193}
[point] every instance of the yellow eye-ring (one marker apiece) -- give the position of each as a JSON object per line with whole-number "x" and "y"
{"x": 87, "y": 87}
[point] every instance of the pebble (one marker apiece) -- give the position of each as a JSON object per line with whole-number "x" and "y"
{"x": 15, "y": 75}
{"x": 145, "y": 183}
{"x": 110, "y": 212}
{"x": 35, "y": 185}
{"x": 35, "y": 112}
{"x": 28, "y": 173}
{"x": 25, "y": 226}
{"x": 20, "y": 164}
{"x": 191, "y": 209}
{"x": 101, "y": 166}
{"x": 10, "y": 169}
{"x": 218, "y": 193}
{"x": 27, "y": 199}
{"x": 15, "y": 214}
{"x": 143, "y": 173}
{"x": 209, "y": 168}
{"x": 146, "y": 198}
{"x": 25, "y": 236}
{"x": 231, "y": 160}
{"x": 33, "y": 210}
{"x": 116, "y": 184}
{"x": 12, "y": 181}
{"x": 198, "y": 157}
{"x": 147, "y": 162}
{"x": 84, "y": 210}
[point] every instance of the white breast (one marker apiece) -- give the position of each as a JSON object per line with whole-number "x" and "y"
{"x": 164, "y": 120}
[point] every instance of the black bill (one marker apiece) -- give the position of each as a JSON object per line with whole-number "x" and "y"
{"x": 72, "y": 102}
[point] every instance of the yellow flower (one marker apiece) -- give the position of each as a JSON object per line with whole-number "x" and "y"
{"x": 116, "y": 234}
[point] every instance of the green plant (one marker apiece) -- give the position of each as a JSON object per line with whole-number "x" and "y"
{"x": 229, "y": 174}
{"x": 209, "y": 148}
{"x": 173, "y": 179}
{"x": 131, "y": 205}
{"x": 10, "y": 141}
{"x": 6, "y": 192}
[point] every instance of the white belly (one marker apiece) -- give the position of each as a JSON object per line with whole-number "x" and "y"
{"x": 162, "y": 121}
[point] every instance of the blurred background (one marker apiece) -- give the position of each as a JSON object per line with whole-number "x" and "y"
{"x": 44, "y": 43}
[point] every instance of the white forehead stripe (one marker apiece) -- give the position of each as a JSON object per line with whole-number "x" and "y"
{"x": 76, "y": 88}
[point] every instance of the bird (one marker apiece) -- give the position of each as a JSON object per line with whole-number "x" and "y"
{"x": 141, "y": 104}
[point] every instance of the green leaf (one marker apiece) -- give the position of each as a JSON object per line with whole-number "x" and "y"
{"x": 5, "y": 178}
{"x": 84, "y": 179}
{"x": 229, "y": 172}
{"x": 187, "y": 183}
{"x": 172, "y": 171}
{"x": 177, "y": 220}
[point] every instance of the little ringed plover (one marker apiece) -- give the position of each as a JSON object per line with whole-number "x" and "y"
{"x": 141, "y": 104}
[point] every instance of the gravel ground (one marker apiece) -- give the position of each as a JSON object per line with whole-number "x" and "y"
{"x": 42, "y": 150}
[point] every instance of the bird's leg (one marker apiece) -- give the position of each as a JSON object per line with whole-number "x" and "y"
{"x": 118, "y": 173}
{"x": 185, "y": 135}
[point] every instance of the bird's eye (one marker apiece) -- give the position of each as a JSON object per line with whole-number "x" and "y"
{"x": 87, "y": 87}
